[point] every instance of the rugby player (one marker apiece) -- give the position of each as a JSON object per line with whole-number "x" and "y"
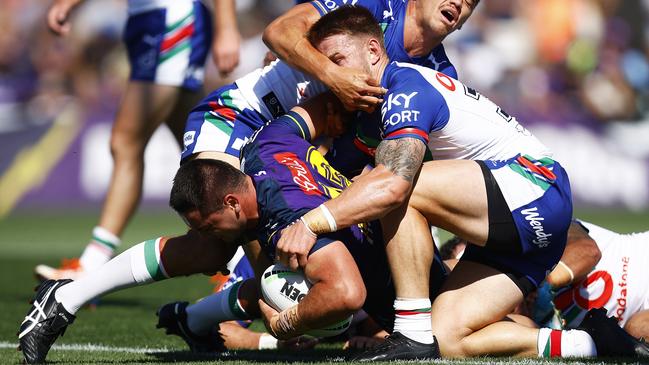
{"x": 518, "y": 210}
{"x": 217, "y": 129}
{"x": 284, "y": 177}
{"x": 167, "y": 44}
{"x": 600, "y": 269}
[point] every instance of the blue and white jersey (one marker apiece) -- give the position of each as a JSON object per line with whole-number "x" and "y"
{"x": 455, "y": 121}
{"x": 391, "y": 15}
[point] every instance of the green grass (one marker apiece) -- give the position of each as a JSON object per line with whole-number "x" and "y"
{"x": 126, "y": 319}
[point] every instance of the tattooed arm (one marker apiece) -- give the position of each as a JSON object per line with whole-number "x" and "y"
{"x": 384, "y": 188}
{"x": 370, "y": 197}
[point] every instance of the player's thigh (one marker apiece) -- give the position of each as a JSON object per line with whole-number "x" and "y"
{"x": 451, "y": 194}
{"x": 638, "y": 324}
{"x": 193, "y": 253}
{"x": 144, "y": 107}
{"x": 473, "y": 297}
{"x": 185, "y": 102}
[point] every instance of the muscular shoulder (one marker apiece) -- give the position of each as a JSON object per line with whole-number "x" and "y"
{"x": 411, "y": 100}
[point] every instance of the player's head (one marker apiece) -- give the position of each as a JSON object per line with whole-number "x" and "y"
{"x": 349, "y": 36}
{"x": 441, "y": 17}
{"x": 208, "y": 194}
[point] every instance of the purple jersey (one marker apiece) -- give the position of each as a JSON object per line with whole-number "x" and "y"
{"x": 291, "y": 177}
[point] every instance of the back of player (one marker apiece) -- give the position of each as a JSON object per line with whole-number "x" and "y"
{"x": 619, "y": 282}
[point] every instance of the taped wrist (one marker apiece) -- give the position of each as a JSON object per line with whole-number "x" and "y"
{"x": 287, "y": 324}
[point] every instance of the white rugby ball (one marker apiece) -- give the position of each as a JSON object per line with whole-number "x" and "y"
{"x": 283, "y": 288}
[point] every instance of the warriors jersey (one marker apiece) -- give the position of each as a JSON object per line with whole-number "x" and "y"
{"x": 391, "y": 15}
{"x": 454, "y": 120}
{"x": 619, "y": 282}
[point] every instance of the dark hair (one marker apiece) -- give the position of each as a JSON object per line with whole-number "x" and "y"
{"x": 446, "y": 249}
{"x": 348, "y": 19}
{"x": 202, "y": 184}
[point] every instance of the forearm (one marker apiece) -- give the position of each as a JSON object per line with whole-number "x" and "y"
{"x": 578, "y": 259}
{"x": 225, "y": 16}
{"x": 376, "y": 193}
{"x": 370, "y": 197}
{"x": 286, "y": 37}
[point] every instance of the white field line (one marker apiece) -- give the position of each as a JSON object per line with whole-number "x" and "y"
{"x": 94, "y": 348}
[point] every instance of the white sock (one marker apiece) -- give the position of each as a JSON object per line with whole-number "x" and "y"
{"x": 570, "y": 343}
{"x": 138, "y": 265}
{"x": 214, "y": 309}
{"x": 412, "y": 319}
{"x": 100, "y": 249}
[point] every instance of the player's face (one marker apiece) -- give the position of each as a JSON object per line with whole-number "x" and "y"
{"x": 223, "y": 224}
{"x": 445, "y": 16}
{"x": 347, "y": 51}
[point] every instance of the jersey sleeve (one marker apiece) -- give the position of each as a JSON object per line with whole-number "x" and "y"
{"x": 412, "y": 107}
{"x": 376, "y": 7}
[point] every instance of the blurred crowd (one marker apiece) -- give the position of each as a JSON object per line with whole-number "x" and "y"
{"x": 556, "y": 62}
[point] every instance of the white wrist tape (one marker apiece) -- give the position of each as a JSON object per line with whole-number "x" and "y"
{"x": 307, "y": 226}
{"x": 569, "y": 270}
{"x": 330, "y": 218}
{"x": 267, "y": 342}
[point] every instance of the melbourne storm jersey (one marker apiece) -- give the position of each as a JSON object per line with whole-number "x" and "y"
{"x": 619, "y": 282}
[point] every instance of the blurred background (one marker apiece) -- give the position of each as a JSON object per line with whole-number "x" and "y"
{"x": 575, "y": 72}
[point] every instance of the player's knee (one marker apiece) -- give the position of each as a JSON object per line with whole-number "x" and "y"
{"x": 450, "y": 332}
{"x": 125, "y": 145}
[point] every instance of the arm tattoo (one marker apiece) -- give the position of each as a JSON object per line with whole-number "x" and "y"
{"x": 402, "y": 156}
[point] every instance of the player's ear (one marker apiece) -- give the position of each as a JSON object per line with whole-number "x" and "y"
{"x": 375, "y": 50}
{"x": 232, "y": 202}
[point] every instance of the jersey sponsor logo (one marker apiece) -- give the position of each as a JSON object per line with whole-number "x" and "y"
{"x": 404, "y": 114}
{"x": 388, "y": 13}
{"x": 188, "y": 138}
{"x": 445, "y": 81}
{"x": 621, "y": 300}
{"x": 301, "y": 175}
{"x": 535, "y": 220}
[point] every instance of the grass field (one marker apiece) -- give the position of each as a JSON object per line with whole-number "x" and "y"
{"x": 121, "y": 330}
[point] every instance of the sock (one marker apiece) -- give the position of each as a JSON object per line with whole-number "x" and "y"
{"x": 571, "y": 343}
{"x": 100, "y": 249}
{"x": 138, "y": 265}
{"x": 412, "y": 319}
{"x": 214, "y": 309}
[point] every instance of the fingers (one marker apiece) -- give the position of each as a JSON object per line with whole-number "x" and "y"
{"x": 57, "y": 21}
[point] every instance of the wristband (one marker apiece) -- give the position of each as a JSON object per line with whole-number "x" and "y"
{"x": 307, "y": 226}
{"x": 330, "y": 218}
{"x": 267, "y": 342}
{"x": 569, "y": 270}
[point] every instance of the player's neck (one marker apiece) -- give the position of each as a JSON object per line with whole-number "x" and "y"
{"x": 249, "y": 206}
{"x": 418, "y": 39}
{"x": 378, "y": 69}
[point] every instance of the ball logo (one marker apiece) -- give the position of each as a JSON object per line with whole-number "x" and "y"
{"x": 292, "y": 293}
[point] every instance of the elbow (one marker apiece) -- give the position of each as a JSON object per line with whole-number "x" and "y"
{"x": 395, "y": 193}
{"x": 594, "y": 253}
{"x": 271, "y": 34}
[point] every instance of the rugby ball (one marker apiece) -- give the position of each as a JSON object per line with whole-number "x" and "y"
{"x": 283, "y": 288}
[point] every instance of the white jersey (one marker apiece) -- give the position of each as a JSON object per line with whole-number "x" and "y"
{"x": 619, "y": 282}
{"x": 466, "y": 125}
{"x": 276, "y": 83}
{"x": 141, "y": 6}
